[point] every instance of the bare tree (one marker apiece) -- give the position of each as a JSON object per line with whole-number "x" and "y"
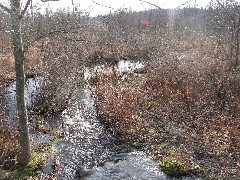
{"x": 225, "y": 19}
{"x": 17, "y": 13}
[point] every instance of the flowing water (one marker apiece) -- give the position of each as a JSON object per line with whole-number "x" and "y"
{"x": 88, "y": 149}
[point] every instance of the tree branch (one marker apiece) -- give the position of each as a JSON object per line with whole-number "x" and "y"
{"x": 183, "y": 4}
{"x": 5, "y": 8}
{"x": 48, "y": 0}
{"x": 102, "y": 5}
{"x": 25, "y": 8}
{"x": 158, "y": 7}
{"x": 27, "y": 5}
{"x": 50, "y": 34}
{"x": 219, "y": 3}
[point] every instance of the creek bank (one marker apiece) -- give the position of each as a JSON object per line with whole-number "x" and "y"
{"x": 43, "y": 134}
{"x": 87, "y": 149}
{"x": 9, "y": 78}
{"x": 168, "y": 153}
{"x": 169, "y": 119}
{"x": 39, "y": 156}
{"x": 129, "y": 118}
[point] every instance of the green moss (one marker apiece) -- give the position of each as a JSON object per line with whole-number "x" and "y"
{"x": 38, "y": 159}
{"x": 23, "y": 173}
{"x": 173, "y": 151}
{"x": 174, "y": 164}
{"x": 136, "y": 144}
{"x": 32, "y": 169}
{"x": 39, "y": 156}
{"x": 152, "y": 131}
{"x": 3, "y": 173}
{"x": 173, "y": 167}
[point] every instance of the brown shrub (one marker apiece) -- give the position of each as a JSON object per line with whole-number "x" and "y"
{"x": 117, "y": 105}
{"x": 9, "y": 145}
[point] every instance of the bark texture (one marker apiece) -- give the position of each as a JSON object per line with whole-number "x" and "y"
{"x": 25, "y": 154}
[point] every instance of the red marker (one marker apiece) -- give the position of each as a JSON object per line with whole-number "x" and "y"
{"x": 144, "y": 22}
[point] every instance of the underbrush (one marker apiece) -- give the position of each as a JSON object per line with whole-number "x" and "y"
{"x": 9, "y": 150}
{"x": 188, "y": 98}
{"x": 33, "y": 170}
{"x": 9, "y": 145}
{"x": 202, "y": 115}
{"x": 112, "y": 100}
{"x": 192, "y": 104}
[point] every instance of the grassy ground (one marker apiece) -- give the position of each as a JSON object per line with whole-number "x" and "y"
{"x": 33, "y": 170}
{"x": 40, "y": 153}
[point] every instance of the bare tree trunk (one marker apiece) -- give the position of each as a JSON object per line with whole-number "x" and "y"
{"x": 17, "y": 43}
{"x": 237, "y": 45}
{"x": 231, "y": 45}
{"x": 16, "y": 17}
{"x": 237, "y": 48}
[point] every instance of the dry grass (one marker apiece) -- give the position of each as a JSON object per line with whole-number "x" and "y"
{"x": 189, "y": 98}
{"x": 193, "y": 103}
{"x": 112, "y": 100}
{"x": 9, "y": 145}
{"x": 6, "y": 68}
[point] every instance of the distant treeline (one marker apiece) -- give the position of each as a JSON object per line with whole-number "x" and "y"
{"x": 220, "y": 20}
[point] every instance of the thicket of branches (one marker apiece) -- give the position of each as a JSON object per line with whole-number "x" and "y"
{"x": 192, "y": 80}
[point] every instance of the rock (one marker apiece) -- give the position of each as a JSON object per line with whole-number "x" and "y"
{"x": 81, "y": 172}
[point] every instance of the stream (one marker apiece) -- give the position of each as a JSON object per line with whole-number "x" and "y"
{"x": 88, "y": 150}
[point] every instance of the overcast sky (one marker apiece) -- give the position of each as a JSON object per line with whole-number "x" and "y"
{"x": 104, "y": 6}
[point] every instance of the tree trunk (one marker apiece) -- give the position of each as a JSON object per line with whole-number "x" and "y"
{"x": 17, "y": 43}
{"x": 237, "y": 46}
{"x": 237, "y": 49}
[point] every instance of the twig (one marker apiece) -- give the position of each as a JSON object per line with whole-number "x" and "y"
{"x": 151, "y": 4}
{"x": 25, "y": 8}
{"x": 102, "y": 5}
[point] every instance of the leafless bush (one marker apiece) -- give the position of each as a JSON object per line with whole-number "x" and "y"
{"x": 9, "y": 148}
{"x": 190, "y": 91}
{"x": 117, "y": 106}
